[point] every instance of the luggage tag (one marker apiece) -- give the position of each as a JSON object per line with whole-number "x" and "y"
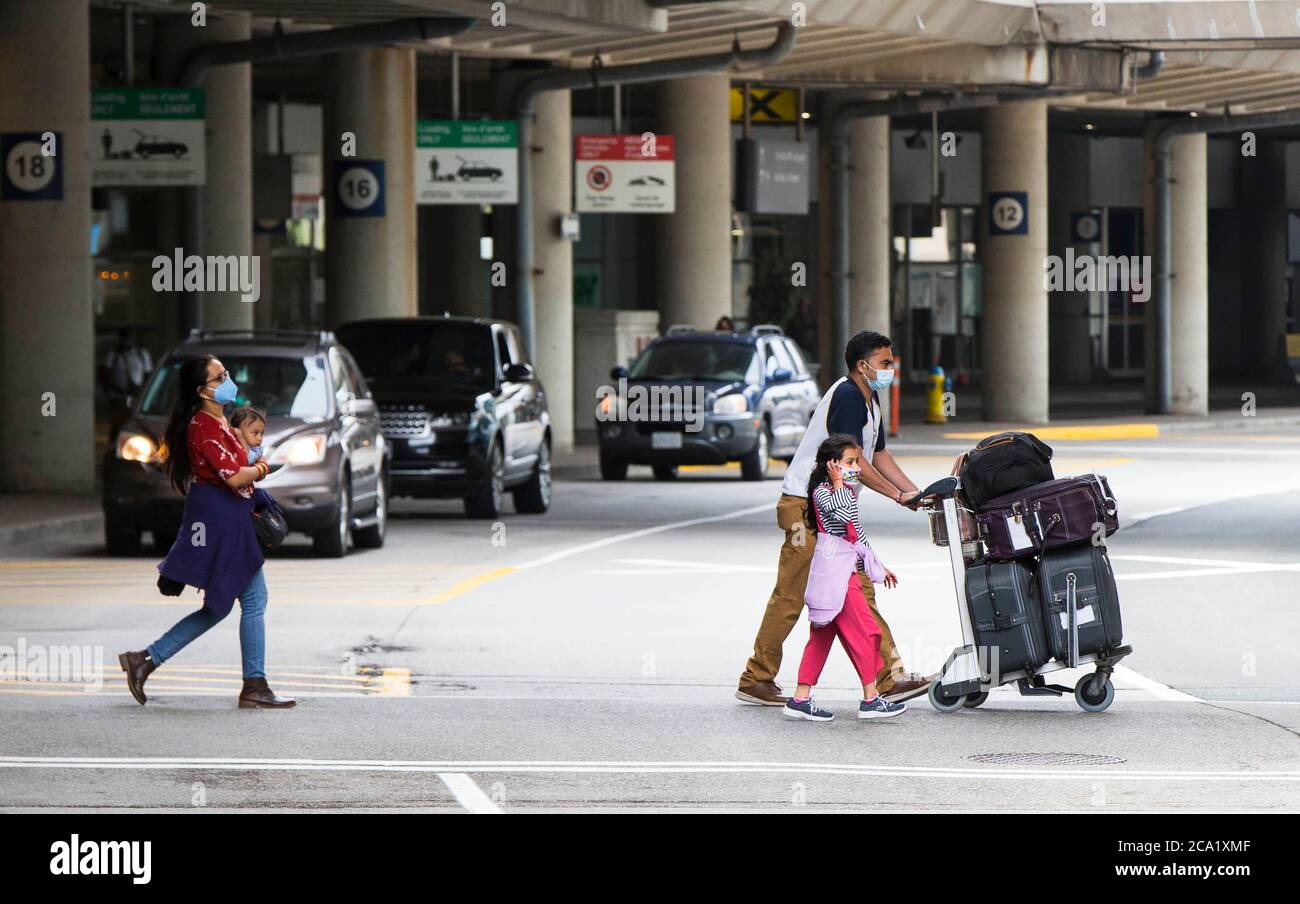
{"x": 1084, "y": 614}
{"x": 1016, "y": 531}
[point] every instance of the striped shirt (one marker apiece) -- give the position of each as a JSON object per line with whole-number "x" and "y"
{"x": 838, "y": 510}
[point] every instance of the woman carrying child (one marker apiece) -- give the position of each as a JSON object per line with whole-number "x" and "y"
{"x": 216, "y": 549}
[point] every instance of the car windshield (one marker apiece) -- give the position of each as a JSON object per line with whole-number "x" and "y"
{"x": 281, "y": 386}
{"x": 729, "y": 361}
{"x": 422, "y": 351}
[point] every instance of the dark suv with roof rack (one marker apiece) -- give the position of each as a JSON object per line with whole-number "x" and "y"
{"x": 462, "y": 409}
{"x": 704, "y": 397}
{"x": 323, "y": 441}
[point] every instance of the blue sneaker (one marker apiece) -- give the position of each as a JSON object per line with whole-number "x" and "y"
{"x": 808, "y": 709}
{"x": 880, "y": 708}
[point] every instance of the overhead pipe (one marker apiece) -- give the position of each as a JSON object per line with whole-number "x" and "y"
{"x": 597, "y": 77}
{"x": 1151, "y": 68}
{"x": 281, "y": 46}
{"x": 1162, "y": 238}
{"x": 278, "y": 46}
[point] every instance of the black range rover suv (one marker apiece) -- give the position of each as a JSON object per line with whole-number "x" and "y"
{"x": 462, "y": 410}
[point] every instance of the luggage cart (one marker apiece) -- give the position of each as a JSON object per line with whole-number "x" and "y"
{"x": 965, "y": 680}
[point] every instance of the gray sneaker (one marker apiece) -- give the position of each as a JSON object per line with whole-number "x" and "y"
{"x": 880, "y": 708}
{"x": 808, "y": 709}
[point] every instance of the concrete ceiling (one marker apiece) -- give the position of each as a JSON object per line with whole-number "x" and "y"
{"x": 1238, "y": 55}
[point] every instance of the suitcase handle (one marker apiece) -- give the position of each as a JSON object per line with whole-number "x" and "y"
{"x": 1071, "y": 604}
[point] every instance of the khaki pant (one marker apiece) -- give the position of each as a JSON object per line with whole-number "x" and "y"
{"x": 786, "y": 603}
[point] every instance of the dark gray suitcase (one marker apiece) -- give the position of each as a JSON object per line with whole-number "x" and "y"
{"x": 1096, "y": 600}
{"x": 1007, "y": 614}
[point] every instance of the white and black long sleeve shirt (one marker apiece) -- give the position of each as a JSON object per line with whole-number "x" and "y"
{"x": 838, "y": 510}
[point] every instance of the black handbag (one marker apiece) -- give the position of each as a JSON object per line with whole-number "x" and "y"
{"x": 1004, "y": 463}
{"x": 270, "y": 526}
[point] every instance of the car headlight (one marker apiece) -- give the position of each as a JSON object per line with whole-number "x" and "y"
{"x": 137, "y": 447}
{"x": 301, "y": 450}
{"x": 735, "y": 403}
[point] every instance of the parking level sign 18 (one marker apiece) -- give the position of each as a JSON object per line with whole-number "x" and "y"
{"x": 472, "y": 161}
{"x": 623, "y": 173}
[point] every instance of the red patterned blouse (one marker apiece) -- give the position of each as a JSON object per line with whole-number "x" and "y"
{"x": 216, "y": 452}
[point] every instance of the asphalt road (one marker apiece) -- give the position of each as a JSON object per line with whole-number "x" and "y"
{"x": 586, "y": 659}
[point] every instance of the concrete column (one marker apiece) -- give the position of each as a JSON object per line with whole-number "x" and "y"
{"x": 870, "y": 234}
{"x": 227, "y": 195}
{"x": 1264, "y": 265}
{"x": 452, "y": 276}
{"x": 552, "y": 187}
{"x": 370, "y": 267}
{"x": 695, "y": 241}
{"x": 1014, "y": 327}
{"x": 1189, "y": 309}
{"x": 1068, "y": 184}
{"x": 47, "y": 350}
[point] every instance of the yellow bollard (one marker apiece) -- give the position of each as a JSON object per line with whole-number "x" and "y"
{"x": 934, "y": 398}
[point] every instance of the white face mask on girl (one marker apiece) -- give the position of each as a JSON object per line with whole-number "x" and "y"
{"x": 850, "y": 475}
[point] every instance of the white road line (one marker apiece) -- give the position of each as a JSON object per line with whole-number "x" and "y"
{"x": 467, "y": 793}
{"x": 598, "y": 767}
{"x": 1067, "y": 446}
{"x": 1155, "y": 688}
{"x": 644, "y": 532}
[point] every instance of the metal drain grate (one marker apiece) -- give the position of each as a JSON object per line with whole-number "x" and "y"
{"x": 1046, "y": 759}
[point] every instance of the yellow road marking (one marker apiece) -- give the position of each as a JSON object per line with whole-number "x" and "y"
{"x": 460, "y": 588}
{"x": 1078, "y": 431}
{"x": 395, "y": 683}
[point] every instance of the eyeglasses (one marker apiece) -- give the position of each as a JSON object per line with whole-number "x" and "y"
{"x": 221, "y": 377}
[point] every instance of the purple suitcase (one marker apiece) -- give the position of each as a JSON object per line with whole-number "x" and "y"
{"x": 1048, "y": 515}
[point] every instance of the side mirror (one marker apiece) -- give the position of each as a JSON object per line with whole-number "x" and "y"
{"x": 618, "y": 373}
{"x": 360, "y": 408}
{"x": 519, "y": 373}
{"x": 782, "y": 375}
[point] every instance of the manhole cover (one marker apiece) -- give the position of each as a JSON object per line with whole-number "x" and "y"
{"x": 1046, "y": 759}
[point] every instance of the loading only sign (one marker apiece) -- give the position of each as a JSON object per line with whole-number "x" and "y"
{"x": 466, "y": 161}
{"x": 147, "y": 136}
{"x": 623, "y": 174}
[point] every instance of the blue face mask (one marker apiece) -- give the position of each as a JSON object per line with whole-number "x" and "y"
{"x": 226, "y": 392}
{"x": 254, "y": 454}
{"x": 882, "y": 380}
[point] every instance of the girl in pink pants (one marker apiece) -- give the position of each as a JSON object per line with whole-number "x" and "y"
{"x": 833, "y": 509}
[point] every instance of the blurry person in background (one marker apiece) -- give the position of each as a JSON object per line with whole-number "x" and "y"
{"x": 126, "y": 367}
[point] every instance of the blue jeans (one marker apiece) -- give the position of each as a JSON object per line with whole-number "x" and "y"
{"x": 252, "y": 630}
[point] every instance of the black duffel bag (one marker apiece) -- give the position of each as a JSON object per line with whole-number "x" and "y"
{"x": 1004, "y": 463}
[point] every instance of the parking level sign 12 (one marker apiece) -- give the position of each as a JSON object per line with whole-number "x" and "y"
{"x": 623, "y": 173}
{"x": 147, "y": 136}
{"x": 466, "y": 161}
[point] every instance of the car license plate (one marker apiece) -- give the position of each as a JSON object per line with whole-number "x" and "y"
{"x": 665, "y": 440}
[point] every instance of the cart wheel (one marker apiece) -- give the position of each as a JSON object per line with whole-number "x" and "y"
{"x": 1090, "y": 700}
{"x": 974, "y": 700}
{"x": 943, "y": 701}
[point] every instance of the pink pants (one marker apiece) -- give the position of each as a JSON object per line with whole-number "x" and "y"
{"x": 858, "y": 632}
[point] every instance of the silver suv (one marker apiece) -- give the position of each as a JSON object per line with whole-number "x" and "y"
{"x": 323, "y": 441}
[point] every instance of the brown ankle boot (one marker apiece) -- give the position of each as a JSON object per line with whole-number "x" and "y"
{"x": 138, "y": 666}
{"x": 258, "y": 695}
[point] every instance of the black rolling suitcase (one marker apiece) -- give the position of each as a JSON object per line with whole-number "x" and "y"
{"x": 1007, "y": 614}
{"x": 1085, "y": 571}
